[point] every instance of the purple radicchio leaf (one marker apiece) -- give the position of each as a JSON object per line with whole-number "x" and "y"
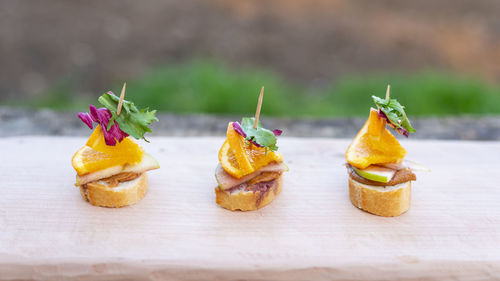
{"x": 102, "y": 117}
{"x": 254, "y": 143}
{"x": 277, "y": 132}
{"x": 85, "y": 117}
{"x": 237, "y": 127}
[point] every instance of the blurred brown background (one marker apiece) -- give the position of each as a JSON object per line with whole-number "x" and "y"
{"x": 94, "y": 42}
{"x": 317, "y": 58}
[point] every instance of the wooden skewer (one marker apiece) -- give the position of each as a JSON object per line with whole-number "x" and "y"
{"x": 387, "y": 96}
{"x": 259, "y": 105}
{"x": 122, "y": 96}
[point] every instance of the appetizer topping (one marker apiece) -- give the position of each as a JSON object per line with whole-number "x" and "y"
{"x": 248, "y": 146}
{"x": 131, "y": 121}
{"x": 376, "y": 173}
{"x": 374, "y": 144}
{"x": 393, "y": 112}
{"x": 102, "y": 116}
{"x": 126, "y": 147}
{"x": 115, "y": 180}
{"x": 399, "y": 177}
{"x": 260, "y": 136}
{"x": 240, "y": 158}
{"x": 226, "y": 181}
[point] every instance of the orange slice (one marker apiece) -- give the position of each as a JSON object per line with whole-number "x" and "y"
{"x": 126, "y": 148}
{"x": 259, "y": 158}
{"x": 239, "y": 158}
{"x": 238, "y": 147}
{"x": 374, "y": 144}
{"x": 228, "y": 161}
{"x": 87, "y": 160}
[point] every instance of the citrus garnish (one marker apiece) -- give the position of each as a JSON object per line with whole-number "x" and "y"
{"x": 127, "y": 148}
{"x": 97, "y": 155}
{"x": 237, "y": 145}
{"x": 374, "y": 144}
{"x": 259, "y": 157}
{"x": 240, "y": 158}
{"x": 87, "y": 160}
{"x": 228, "y": 161}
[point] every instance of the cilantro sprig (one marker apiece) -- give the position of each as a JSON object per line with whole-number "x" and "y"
{"x": 259, "y": 136}
{"x": 395, "y": 114}
{"x": 131, "y": 120}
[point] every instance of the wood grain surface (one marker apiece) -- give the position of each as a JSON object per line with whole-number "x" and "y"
{"x": 310, "y": 232}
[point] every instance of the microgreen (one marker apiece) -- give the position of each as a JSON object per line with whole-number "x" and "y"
{"x": 259, "y": 136}
{"x": 394, "y": 113}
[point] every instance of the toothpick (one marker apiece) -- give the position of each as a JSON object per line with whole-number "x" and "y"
{"x": 387, "y": 92}
{"x": 259, "y": 105}
{"x": 120, "y": 103}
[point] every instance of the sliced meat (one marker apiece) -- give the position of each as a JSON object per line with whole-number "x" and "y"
{"x": 262, "y": 187}
{"x": 113, "y": 181}
{"x": 400, "y": 176}
{"x": 264, "y": 177}
{"x": 226, "y": 181}
{"x": 414, "y": 166}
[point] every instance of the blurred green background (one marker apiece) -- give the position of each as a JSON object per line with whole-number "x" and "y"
{"x": 210, "y": 87}
{"x": 315, "y": 58}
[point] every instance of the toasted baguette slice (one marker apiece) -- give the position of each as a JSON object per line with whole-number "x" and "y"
{"x": 247, "y": 200}
{"x": 126, "y": 193}
{"x": 389, "y": 201}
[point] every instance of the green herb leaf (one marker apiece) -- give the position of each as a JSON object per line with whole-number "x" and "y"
{"x": 261, "y": 135}
{"x": 395, "y": 113}
{"x": 131, "y": 120}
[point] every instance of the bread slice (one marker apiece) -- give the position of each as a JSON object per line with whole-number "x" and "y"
{"x": 388, "y": 201}
{"x": 247, "y": 200}
{"x": 126, "y": 193}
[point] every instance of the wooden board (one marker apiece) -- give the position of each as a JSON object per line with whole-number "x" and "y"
{"x": 310, "y": 232}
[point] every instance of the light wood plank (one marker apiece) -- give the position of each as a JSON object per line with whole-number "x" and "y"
{"x": 311, "y": 231}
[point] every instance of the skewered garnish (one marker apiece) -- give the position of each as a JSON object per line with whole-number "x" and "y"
{"x": 379, "y": 179}
{"x": 249, "y": 174}
{"x": 119, "y": 118}
{"x": 374, "y": 144}
{"x": 394, "y": 114}
{"x": 111, "y": 144}
{"x": 260, "y": 136}
{"x": 111, "y": 167}
{"x": 248, "y": 146}
{"x": 239, "y": 157}
{"x": 131, "y": 120}
{"x": 375, "y": 154}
